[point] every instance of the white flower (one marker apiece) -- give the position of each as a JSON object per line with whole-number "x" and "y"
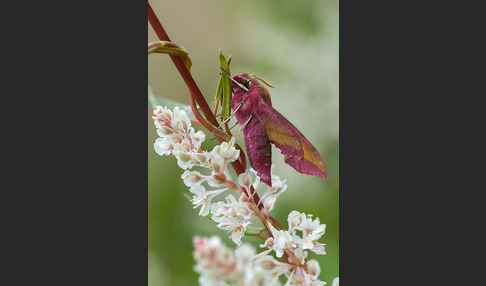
{"x": 335, "y": 282}
{"x": 191, "y": 178}
{"x": 227, "y": 151}
{"x": 313, "y": 268}
{"x": 301, "y": 277}
{"x": 312, "y": 231}
{"x": 162, "y": 146}
{"x": 184, "y": 159}
{"x": 238, "y": 232}
{"x": 161, "y": 115}
{"x": 215, "y": 262}
{"x": 181, "y": 120}
{"x": 245, "y": 180}
{"x": 232, "y": 215}
{"x": 272, "y": 265}
{"x": 216, "y": 163}
{"x": 203, "y": 198}
{"x": 256, "y": 182}
{"x": 164, "y": 131}
{"x": 198, "y": 138}
{"x": 269, "y": 203}
{"x": 318, "y": 248}
{"x": 278, "y": 185}
{"x": 281, "y": 240}
{"x": 201, "y": 159}
{"x": 299, "y": 255}
{"x": 295, "y": 219}
{"x": 312, "y": 228}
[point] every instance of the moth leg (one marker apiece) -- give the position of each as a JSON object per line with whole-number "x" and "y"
{"x": 232, "y": 114}
{"x": 242, "y": 126}
{"x": 234, "y": 125}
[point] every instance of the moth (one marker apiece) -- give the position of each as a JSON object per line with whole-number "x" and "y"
{"x": 262, "y": 125}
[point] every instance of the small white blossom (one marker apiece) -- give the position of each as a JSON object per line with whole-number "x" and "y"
{"x": 215, "y": 262}
{"x": 312, "y": 231}
{"x": 313, "y": 268}
{"x": 312, "y": 228}
{"x": 203, "y": 198}
{"x": 269, "y": 203}
{"x": 191, "y": 178}
{"x": 256, "y": 182}
{"x": 184, "y": 159}
{"x": 278, "y": 187}
{"x": 198, "y": 138}
{"x": 280, "y": 241}
{"x": 227, "y": 151}
{"x": 161, "y": 115}
{"x": 180, "y": 119}
{"x": 300, "y": 255}
{"x": 232, "y": 215}
{"x": 301, "y": 277}
{"x": 162, "y": 146}
{"x": 335, "y": 282}
{"x": 245, "y": 180}
{"x": 295, "y": 219}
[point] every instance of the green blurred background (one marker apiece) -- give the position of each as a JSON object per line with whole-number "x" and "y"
{"x": 292, "y": 44}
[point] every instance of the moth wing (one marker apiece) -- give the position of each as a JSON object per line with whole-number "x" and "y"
{"x": 298, "y": 151}
{"x": 259, "y": 149}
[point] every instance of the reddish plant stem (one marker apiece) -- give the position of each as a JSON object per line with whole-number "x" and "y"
{"x": 195, "y": 93}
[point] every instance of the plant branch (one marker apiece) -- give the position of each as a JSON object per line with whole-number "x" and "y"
{"x": 186, "y": 75}
{"x": 196, "y": 97}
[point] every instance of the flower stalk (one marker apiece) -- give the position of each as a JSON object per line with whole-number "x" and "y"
{"x": 196, "y": 97}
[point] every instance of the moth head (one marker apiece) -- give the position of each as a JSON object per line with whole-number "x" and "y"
{"x": 240, "y": 83}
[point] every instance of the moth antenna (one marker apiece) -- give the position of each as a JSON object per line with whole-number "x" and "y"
{"x": 263, "y": 81}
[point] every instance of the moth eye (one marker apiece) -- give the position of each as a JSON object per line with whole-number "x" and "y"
{"x": 247, "y": 84}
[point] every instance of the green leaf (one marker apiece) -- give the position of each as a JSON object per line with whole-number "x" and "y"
{"x": 219, "y": 92}
{"x": 163, "y": 47}
{"x": 227, "y": 90}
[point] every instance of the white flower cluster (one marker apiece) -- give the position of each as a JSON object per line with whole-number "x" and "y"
{"x": 312, "y": 231}
{"x": 295, "y": 246}
{"x": 178, "y": 138}
{"x": 219, "y": 266}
